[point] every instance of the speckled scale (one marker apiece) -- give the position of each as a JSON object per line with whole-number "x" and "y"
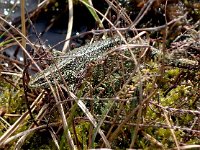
{"x": 73, "y": 63}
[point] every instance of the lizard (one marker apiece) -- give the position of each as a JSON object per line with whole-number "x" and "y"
{"x": 75, "y": 62}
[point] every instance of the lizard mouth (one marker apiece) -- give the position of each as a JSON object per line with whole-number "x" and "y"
{"x": 38, "y": 82}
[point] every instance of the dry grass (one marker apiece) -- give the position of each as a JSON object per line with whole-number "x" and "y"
{"x": 125, "y": 100}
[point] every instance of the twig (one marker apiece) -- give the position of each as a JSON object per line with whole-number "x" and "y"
{"x": 23, "y": 23}
{"x": 70, "y": 25}
{"x": 172, "y": 130}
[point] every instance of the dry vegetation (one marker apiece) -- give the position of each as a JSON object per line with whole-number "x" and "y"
{"x": 128, "y": 99}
